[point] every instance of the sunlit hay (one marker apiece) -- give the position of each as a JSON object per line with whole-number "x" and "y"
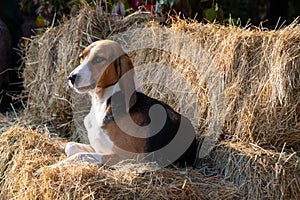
{"x": 22, "y": 152}
{"x": 235, "y": 92}
{"x": 260, "y": 173}
{"x": 25, "y": 174}
{"x": 240, "y": 82}
{"x": 91, "y": 182}
{"x": 239, "y": 85}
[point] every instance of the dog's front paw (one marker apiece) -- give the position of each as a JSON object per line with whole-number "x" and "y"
{"x": 83, "y": 157}
{"x": 73, "y": 148}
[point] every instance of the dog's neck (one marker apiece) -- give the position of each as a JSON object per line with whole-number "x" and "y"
{"x": 101, "y": 95}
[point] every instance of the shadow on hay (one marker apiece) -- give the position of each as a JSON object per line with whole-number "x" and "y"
{"x": 259, "y": 173}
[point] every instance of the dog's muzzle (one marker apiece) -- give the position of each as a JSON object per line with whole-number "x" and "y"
{"x": 73, "y": 81}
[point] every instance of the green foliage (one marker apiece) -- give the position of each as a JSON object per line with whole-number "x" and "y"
{"x": 214, "y": 14}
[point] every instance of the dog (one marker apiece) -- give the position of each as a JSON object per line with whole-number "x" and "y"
{"x": 123, "y": 122}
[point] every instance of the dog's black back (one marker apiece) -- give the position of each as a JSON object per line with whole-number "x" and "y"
{"x": 175, "y": 124}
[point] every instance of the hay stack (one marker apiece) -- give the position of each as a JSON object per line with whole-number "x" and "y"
{"x": 260, "y": 173}
{"x": 23, "y": 151}
{"x": 239, "y": 82}
{"x": 239, "y": 85}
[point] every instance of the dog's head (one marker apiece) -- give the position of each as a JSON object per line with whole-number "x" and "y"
{"x": 104, "y": 64}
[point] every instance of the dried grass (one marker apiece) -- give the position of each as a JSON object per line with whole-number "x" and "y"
{"x": 260, "y": 173}
{"x": 23, "y": 151}
{"x": 239, "y": 82}
{"x": 239, "y": 85}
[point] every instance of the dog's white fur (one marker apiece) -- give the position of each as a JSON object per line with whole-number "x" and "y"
{"x": 100, "y": 143}
{"x": 94, "y": 120}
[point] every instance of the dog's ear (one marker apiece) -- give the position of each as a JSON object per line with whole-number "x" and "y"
{"x": 126, "y": 81}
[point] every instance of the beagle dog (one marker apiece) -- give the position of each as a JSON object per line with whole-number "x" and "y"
{"x": 124, "y": 123}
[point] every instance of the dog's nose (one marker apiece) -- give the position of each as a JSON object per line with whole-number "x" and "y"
{"x": 72, "y": 78}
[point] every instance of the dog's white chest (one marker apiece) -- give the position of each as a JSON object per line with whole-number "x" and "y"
{"x": 98, "y": 138}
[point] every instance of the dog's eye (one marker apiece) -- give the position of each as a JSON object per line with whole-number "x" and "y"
{"x": 97, "y": 60}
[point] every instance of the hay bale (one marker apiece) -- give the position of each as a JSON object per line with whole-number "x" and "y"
{"x": 23, "y": 151}
{"x": 238, "y": 83}
{"x": 260, "y": 173}
{"x": 244, "y": 83}
{"x": 241, "y": 83}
